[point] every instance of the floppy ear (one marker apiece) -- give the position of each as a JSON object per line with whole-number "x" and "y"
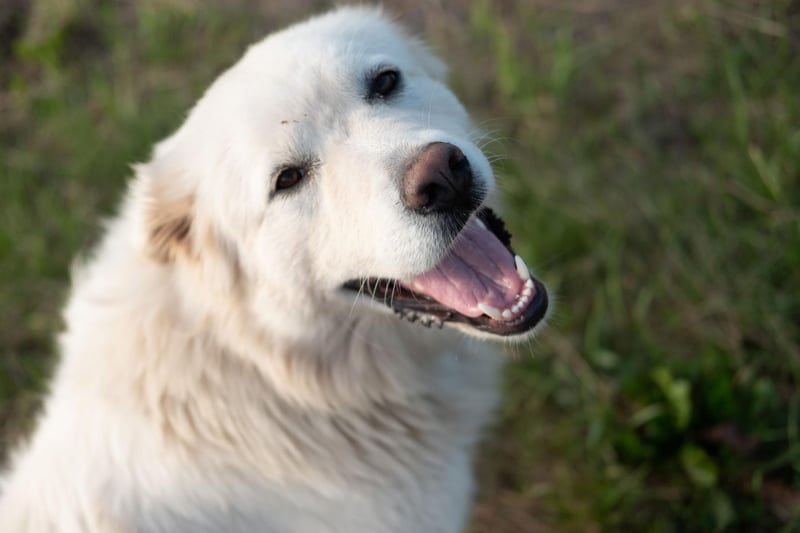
{"x": 166, "y": 212}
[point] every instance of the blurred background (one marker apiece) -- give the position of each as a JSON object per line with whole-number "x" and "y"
{"x": 649, "y": 155}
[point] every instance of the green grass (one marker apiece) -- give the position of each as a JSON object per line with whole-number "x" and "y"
{"x": 650, "y": 164}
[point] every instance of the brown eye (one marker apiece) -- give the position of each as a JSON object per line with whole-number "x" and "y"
{"x": 289, "y": 178}
{"x": 383, "y": 84}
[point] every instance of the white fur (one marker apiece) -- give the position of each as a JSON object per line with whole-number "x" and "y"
{"x": 220, "y": 381}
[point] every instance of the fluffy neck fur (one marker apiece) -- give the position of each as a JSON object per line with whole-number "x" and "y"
{"x": 354, "y": 383}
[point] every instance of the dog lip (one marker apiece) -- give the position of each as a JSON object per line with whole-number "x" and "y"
{"x": 427, "y": 311}
{"x": 527, "y": 320}
{"x": 423, "y": 309}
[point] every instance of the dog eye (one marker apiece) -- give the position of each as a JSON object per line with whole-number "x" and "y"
{"x": 289, "y": 177}
{"x": 383, "y": 84}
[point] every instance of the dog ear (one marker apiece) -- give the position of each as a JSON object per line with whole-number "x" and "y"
{"x": 166, "y": 210}
{"x": 170, "y": 228}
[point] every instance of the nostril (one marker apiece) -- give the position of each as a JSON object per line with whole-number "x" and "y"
{"x": 457, "y": 159}
{"x": 435, "y": 195}
{"x": 459, "y": 169}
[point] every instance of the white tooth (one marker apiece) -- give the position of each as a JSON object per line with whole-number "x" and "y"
{"x": 480, "y": 223}
{"x": 506, "y": 313}
{"x": 490, "y": 311}
{"x": 523, "y": 301}
{"x": 515, "y": 309}
{"x": 529, "y": 283}
{"x": 522, "y": 268}
{"x": 527, "y": 292}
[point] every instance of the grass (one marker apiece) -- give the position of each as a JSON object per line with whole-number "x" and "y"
{"x": 650, "y": 163}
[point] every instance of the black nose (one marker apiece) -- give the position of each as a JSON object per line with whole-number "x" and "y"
{"x": 440, "y": 179}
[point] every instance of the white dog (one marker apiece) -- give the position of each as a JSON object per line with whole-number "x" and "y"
{"x": 231, "y": 361}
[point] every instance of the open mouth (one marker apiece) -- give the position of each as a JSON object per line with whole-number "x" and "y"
{"x": 481, "y": 282}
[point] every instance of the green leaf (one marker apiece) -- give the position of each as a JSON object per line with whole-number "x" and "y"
{"x": 700, "y": 468}
{"x": 676, "y": 392}
{"x": 646, "y": 414}
{"x": 724, "y": 513}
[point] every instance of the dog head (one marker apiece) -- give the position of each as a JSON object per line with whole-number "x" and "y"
{"x": 330, "y": 162}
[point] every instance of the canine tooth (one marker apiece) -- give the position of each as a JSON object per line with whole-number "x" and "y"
{"x": 522, "y": 268}
{"x": 480, "y": 223}
{"x": 490, "y": 311}
{"x": 506, "y": 313}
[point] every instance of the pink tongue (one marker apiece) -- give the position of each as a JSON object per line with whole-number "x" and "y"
{"x": 478, "y": 269}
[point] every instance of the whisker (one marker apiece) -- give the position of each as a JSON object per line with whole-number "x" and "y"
{"x": 357, "y": 296}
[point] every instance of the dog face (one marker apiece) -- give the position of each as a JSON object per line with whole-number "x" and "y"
{"x": 332, "y": 161}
